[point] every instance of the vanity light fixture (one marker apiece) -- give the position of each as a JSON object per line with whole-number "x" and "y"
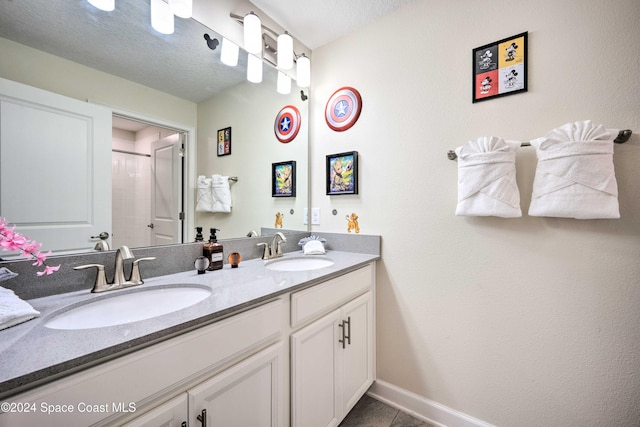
{"x": 229, "y": 52}
{"x": 284, "y": 83}
{"x": 285, "y": 51}
{"x": 252, "y": 33}
{"x": 106, "y": 5}
{"x": 303, "y": 71}
{"x": 181, "y": 8}
{"x": 161, "y": 17}
{"x": 254, "y": 69}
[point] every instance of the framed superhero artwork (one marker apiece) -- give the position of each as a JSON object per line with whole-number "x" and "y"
{"x": 342, "y": 173}
{"x": 287, "y": 124}
{"x": 500, "y": 68}
{"x": 343, "y": 109}
{"x": 283, "y": 179}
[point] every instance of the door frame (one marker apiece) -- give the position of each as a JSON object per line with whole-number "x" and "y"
{"x": 189, "y": 169}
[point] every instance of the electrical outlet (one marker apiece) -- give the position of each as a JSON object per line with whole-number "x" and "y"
{"x": 315, "y": 216}
{"x": 305, "y": 219}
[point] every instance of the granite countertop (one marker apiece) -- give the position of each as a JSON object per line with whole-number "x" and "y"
{"x": 32, "y": 354}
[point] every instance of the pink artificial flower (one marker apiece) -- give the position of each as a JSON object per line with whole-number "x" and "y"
{"x": 14, "y": 242}
{"x": 48, "y": 270}
{"x": 40, "y": 257}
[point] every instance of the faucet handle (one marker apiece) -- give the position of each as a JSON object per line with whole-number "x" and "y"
{"x": 136, "y": 278}
{"x": 100, "y": 284}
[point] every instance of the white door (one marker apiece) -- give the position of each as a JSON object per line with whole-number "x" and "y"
{"x": 249, "y": 394}
{"x": 55, "y": 167}
{"x": 166, "y": 197}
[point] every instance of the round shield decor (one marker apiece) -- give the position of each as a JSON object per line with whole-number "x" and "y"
{"x": 343, "y": 109}
{"x": 287, "y": 124}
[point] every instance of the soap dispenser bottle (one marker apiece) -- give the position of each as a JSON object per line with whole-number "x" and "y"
{"x": 213, "y": 251}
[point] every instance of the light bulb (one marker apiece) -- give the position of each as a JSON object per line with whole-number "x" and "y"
{"x": 252, "y": 33}
{"x": 285, "y": 51}
{"x": 284, "y": 83}
{"x": 229, "y": 52}
{"x": 106, "y": 5}
{"x": 254, "y": 69}
{"x": 303, "y": 71}
{"x": 181, "y": 8}
{"x": 161, "y": 17}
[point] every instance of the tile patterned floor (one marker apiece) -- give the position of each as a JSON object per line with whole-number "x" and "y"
{"x": 369, "y": 412}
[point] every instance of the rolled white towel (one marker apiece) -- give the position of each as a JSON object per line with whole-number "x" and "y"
{"x": 487, "y": 178}
{"x": 204, "y": 199}
{"x": 13, "y": 310}
{"x": 221, "y": 194}
{"x": 575, "y": 176}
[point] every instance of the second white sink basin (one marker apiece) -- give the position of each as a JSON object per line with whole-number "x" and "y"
{"x": 298, "y": 264}
{"x": 129, "y": 307}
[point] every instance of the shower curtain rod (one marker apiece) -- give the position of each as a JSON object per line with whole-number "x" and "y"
{"x": 623, "y": 136}
{"x": 130, "y": 152}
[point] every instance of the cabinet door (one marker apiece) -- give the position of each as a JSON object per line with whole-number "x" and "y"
{"x": 250, "y": 393}
{"x": 314, "y": 373}
{"x": 357, "y": 356}
{"x": 170, "y": 414}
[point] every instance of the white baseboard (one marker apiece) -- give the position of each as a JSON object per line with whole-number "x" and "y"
{"x": 421, "y": 407}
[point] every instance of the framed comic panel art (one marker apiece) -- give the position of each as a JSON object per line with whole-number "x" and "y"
{"x": 342, "y": 173}
{"x": 500, "y": 68}
{"x": 224, "y": 142}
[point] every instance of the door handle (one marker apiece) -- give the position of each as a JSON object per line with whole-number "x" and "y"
{"x": 347, "y": 336}
{"x": 342, "y": 340}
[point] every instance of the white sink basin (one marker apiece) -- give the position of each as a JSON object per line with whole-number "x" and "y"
{"x": 128, "y": 307}
{"x": 298, "y": 264}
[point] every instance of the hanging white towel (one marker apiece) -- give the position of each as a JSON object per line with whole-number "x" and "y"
{"x": 487, "y": 178}
{"x": 13, "y": 310}
{"x": 204, "y": 198}
{"x": 575, "y": 176}
{"x": 221, "y": 194}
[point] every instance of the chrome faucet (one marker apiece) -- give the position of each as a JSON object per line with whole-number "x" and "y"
{"x": 119, "y": 281}
{"x": 275, "y": 250}
{"x": 276, "y": 245}
{"x": 122, "y": 253}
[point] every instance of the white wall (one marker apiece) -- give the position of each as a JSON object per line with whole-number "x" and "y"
{"x": 520, "y": 322}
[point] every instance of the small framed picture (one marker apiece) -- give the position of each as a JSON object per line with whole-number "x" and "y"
{"x": 283, "y": 179}
{"x": 342, "y": 173}
{"x": 500, "y": 68}
{"x": 224, "y": 142}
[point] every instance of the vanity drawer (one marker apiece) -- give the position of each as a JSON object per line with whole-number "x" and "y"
{"x": 317, "y": 300}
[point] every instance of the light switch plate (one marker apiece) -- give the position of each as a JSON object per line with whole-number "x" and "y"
{"x": 315, "y": 216}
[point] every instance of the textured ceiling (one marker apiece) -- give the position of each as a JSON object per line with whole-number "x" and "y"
{"x": 122, "y": 43}
{"x": 318, "y": 22}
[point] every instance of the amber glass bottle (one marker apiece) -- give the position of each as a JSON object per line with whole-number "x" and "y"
{"x": 213, "y": 251}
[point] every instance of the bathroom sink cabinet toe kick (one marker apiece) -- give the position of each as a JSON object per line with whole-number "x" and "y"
{"x": 302, "y": 359}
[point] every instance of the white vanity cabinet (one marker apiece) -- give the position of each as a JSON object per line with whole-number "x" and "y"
{"x": 170, "y": 414}
{"x": 332, "y": 358}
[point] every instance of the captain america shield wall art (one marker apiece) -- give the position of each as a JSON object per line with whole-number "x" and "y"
{"x": 287, "y": 124}
{"x": 343, "y": 109}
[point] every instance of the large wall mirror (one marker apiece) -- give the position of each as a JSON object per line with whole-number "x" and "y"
{"x": 168, "y": 96}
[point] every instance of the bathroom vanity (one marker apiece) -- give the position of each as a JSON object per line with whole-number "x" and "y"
{"x": 272, "y": 345}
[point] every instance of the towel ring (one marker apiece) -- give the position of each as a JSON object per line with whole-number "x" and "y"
{"x": 623, "y": 136}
